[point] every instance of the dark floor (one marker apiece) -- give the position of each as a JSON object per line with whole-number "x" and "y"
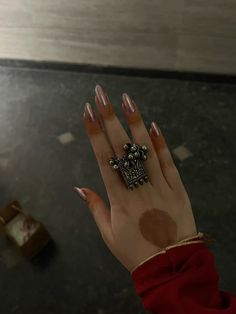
{"x": 79, "y": 274}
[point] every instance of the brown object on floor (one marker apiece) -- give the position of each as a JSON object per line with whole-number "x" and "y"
{"x": 28, "y": 234}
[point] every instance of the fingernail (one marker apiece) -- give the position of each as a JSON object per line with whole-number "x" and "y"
{"x": 128, "y": 103}
{"x": 81, "y": 193}
{"x": 102, "y": 96}
{"x": 155, "y": 129}
{"x": 90, "y": 112}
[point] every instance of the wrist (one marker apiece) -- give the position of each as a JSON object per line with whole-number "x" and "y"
{"x": 198, "y": 238}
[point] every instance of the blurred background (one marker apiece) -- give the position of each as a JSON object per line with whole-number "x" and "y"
{"x": 176, "y": 59}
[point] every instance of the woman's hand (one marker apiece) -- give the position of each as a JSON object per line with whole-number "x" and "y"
{"x": 143, "y": 221}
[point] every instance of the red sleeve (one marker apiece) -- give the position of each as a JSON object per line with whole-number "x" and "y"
{"x": 184, "y": 280}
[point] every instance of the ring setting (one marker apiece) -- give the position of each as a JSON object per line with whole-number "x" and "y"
{"x": 131, "y": 165}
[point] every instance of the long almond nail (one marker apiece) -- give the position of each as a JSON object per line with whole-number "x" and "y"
{"x": 155, "y": 129}
{"x": 80, "y": 193}
{"x": 102, "y": 96}
{"x": 129, "y": 104}
{"x": 90, "y": 112}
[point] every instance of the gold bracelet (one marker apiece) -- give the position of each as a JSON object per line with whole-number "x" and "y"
{"x": 180, "y": 243}
{"x": 199, "y": 235}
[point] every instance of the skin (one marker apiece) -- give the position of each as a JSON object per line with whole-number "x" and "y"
{"x": 136, "y": 224}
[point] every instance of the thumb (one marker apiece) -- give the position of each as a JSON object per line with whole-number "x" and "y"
{"x": 101, "y": 213}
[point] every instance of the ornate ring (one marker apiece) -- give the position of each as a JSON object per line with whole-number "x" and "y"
{"x": 131, "y": 165}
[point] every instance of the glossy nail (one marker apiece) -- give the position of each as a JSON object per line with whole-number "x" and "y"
{"x": 90, "y": 112}
{"x": 102, "y": 96}
{"x": 155, "y": 129}
{"x": 80, "y": 193}
{"x": 129, "y": 104}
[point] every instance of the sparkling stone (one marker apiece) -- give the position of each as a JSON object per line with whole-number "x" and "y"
{"x": 130, "y": 156}
{"x": 133, "y": 148}
{"x": 144, "y": 147}
{"x": 115, "y": 167}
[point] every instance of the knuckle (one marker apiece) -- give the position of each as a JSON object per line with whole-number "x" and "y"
{"x": 162, "y": 145}
{"x": 168, "y": 164}
{"x": 118, "y": 147}
{"x": 136, "y": 120}
{"x": 151, "y": 153}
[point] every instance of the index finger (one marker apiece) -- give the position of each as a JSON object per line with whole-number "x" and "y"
{"x": 103, "y": 152}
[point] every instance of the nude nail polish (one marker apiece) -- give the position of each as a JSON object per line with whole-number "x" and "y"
{"x": 129, "y": 104}
{"x": 80, "y": 193}
{"x": 102, "y": 96}
{"x": 155, "y": 128}
{"x": 90, "y": 112}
